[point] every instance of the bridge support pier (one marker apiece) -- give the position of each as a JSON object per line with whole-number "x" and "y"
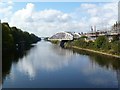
{"x": 62, "y": 43}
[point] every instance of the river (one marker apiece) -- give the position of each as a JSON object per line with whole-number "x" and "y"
{"x": 49, "y": 66}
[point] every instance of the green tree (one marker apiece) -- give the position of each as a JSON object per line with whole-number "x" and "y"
{"x": 116, "y": 47}
{"x": 115, "y": 38}
{"x": 14, "y": 37}
{"x": 100, "y": 42}
{"x": 7, "y": 37}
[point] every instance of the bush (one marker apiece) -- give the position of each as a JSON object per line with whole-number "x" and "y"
{"x": 54, "y": 41}
{"x": 101, "y": 42}
{"x": 116, "y": 47}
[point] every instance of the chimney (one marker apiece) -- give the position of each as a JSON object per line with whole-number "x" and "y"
{"x": 91, "y": 29}
{"x": 95, "y": 28}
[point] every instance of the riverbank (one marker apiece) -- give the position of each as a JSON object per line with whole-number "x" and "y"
{"x": 89, "y": 50}
{"x": 100, "y": 46}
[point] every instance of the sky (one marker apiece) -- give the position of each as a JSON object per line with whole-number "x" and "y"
{"x": 48, "y": 18}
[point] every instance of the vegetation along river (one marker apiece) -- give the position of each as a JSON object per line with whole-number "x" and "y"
{"x": 46, "y": 65}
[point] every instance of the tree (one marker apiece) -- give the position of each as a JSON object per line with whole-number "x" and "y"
{"x": 7, "y": 37}
{"x": 116, "y": 47}
{"x": 100, "y": 42}
{"x": 115, "y": 38}
{"x": 12, "y": 37}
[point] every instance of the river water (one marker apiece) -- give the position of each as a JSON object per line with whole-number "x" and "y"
{"x": 49, "y": 66}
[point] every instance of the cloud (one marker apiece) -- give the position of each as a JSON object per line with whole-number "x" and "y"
{"x": 62, "y": 0}
{"x": 88, "y": 6}
{"x": 100, "y": 14}
{"x": 5, "y": 10}
{"x": 49, "y": 21}
{"x": 50, "y": 15}
{"x": 23, "y": 15}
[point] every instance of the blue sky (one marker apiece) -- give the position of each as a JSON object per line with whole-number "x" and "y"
{"x": 47, "y": 18}
{"x": 61, "y": 0}
{"x": 63, "y": 6}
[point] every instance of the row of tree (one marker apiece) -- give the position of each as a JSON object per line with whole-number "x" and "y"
{"x": 100, "y": 44}
{"x": 13, "y": 37}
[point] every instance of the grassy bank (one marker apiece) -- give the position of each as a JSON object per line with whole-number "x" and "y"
{"x": 101, "y": 46}
{"x": 89, "y": 50}
{"x": 55, "y": 41}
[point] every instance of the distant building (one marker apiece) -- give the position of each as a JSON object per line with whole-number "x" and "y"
{"x": 115, "y": 31}
{"x": 76, "y": 35}
{"x": 115, "y": 28}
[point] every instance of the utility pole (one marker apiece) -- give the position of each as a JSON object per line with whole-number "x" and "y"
{"x": 118, "y": 17}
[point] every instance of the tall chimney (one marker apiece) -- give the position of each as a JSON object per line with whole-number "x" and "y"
{"x": 95, "y": 28}
{"x": 91, "y": 29}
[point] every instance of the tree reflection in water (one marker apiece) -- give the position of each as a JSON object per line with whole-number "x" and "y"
{"x": 106, "y": 62}
{"x": 118, "y": 78}
{"x": 9, "y": 57}
{"x": 109, "y": 63}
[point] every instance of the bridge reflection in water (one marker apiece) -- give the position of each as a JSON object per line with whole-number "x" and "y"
{"x": 65, "y": 37}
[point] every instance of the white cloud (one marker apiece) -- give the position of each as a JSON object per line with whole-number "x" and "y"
{"x": 23, "y": 15}
{"x": 50, "y": 15}
{"x": 95, "y": 20}
{"x": 49, "y": 21}
{"x": 5, "y": 10}
{"x": 88, "y": 6}
{"x": 101, "y": 14}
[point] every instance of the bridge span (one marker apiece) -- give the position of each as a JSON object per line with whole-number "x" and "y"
{"x": 61, "y": 36}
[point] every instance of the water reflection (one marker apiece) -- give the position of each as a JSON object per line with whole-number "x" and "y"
{"x": 53, "y": 59}
{"x": 107, "y": 62}
{"x": 101, "y": 60}
{"x": 118, "y": 78}
{"x": 8, "y": 58}
{"x": 82, "y": 68}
